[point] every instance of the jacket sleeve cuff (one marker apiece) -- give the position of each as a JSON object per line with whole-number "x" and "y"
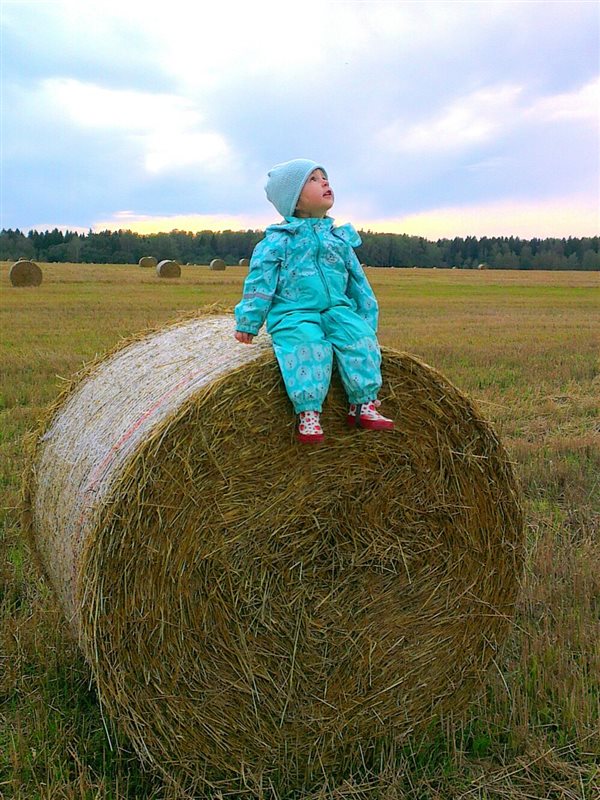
{"x": 245, "y": 329}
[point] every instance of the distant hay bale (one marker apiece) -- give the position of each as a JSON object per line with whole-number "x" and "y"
{"x": 244, "y": 262}
{"x": 168, "y": 269}
{"x": 147, "y": 261}
{"x": 217, "y": 263}
{"x": 25, "y": 273}
{"x": 256, "y": 610}
{"x": 482, "y": 266}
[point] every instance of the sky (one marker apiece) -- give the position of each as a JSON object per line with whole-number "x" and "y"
{"x": 436, "y": 119}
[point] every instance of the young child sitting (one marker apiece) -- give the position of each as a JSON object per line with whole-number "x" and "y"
{"x": 305, "y": 280}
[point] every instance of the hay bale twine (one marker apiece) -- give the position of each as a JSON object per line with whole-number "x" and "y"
{"x": 257, "y": 610}
{"x": 147, "y": 261}
{"x": 25, "y": 273}
{"x": 217, "y": 263}
{"x": 244, "y": 262}
{"x": 168, "y": 269}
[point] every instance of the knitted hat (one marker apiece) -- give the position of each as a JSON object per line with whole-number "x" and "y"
{"x": 285, "y": 182}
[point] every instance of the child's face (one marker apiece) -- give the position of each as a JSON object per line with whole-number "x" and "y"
{"x": 316, "y": 197}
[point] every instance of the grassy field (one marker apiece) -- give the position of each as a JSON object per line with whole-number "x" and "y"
{"x": 525, "y": 346}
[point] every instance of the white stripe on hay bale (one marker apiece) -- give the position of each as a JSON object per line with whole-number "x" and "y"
{"x": 252, "y": 607}
{"x": 168, "y": 269}
{"x": 217, "y": 263}
{"x": 244, "y": 262}
{"x": 25, "y": 273}
{"x": 147, "y": 261}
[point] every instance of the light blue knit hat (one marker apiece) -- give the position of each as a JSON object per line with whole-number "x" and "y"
{"x": 285, "y": 182}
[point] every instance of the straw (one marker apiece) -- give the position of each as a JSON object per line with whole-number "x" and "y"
{"x": 25, "y": 273}
{"x": 257, "y": 610}
{"x": 168, "y": 269}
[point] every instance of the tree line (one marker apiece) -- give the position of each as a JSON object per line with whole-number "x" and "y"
{"x": 377, "y": 249}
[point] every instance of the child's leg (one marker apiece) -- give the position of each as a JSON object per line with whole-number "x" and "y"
{"x": 305, "y": 359}
{"x": 357, "y": 352}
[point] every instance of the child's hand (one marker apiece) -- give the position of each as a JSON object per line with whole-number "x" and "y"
{"x": 245, "y": 338}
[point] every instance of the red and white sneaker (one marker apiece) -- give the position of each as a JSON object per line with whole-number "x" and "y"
{"x": 365, "y": 415}
{"x": 309, "y": 427}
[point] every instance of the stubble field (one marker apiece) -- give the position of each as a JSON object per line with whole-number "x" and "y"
{"x": 524, "y": 345}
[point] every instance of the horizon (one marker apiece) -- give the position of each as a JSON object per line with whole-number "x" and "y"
{"x": 165, "y": 232}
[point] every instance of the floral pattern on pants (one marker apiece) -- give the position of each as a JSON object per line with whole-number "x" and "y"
{"x": 305, "y": 343}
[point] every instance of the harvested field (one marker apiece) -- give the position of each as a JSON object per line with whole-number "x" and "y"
{"x": 524, "y": 346}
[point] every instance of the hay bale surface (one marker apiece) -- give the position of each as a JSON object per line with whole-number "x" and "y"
{"x": 253, "y": 609}
{"x": 217, "y": 263}
{"x": 168, "y": 269}
{"x": 244, "y": 262}
{"x": 147, "y": 261}
{"x": 25, "y": 273}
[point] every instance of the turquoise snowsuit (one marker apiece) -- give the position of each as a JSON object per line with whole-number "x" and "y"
{"x": 307, "y": 283}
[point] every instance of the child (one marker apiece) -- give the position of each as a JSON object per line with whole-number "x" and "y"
{"x": 307, "y": 283}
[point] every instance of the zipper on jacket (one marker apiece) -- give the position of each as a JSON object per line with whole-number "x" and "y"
{"x": 319, "y": 270}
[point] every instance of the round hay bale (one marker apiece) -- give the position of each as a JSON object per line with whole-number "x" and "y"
{"x": 25, "y": 273}
{"x": 482, "y": 266}
{"x": 254, "y": 610}
{"x": 217, "y": 263}
{"x": 244, "y": 262}
{"x": 168, "y": 269}
{"x": 147, "y": 261}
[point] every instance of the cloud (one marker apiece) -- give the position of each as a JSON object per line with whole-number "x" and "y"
{"x": 179, "y": 108}
{"x": 146, "y": 223}
{"x": 555, "y": 217}
{"x": 580, "y": 104}
{"x": 483, "y": 116}
{"x": 169, "y": 130}
{"x": 468, "y": 121}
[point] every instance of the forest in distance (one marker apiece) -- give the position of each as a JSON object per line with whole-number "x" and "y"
{"x": 376, "y": 250}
